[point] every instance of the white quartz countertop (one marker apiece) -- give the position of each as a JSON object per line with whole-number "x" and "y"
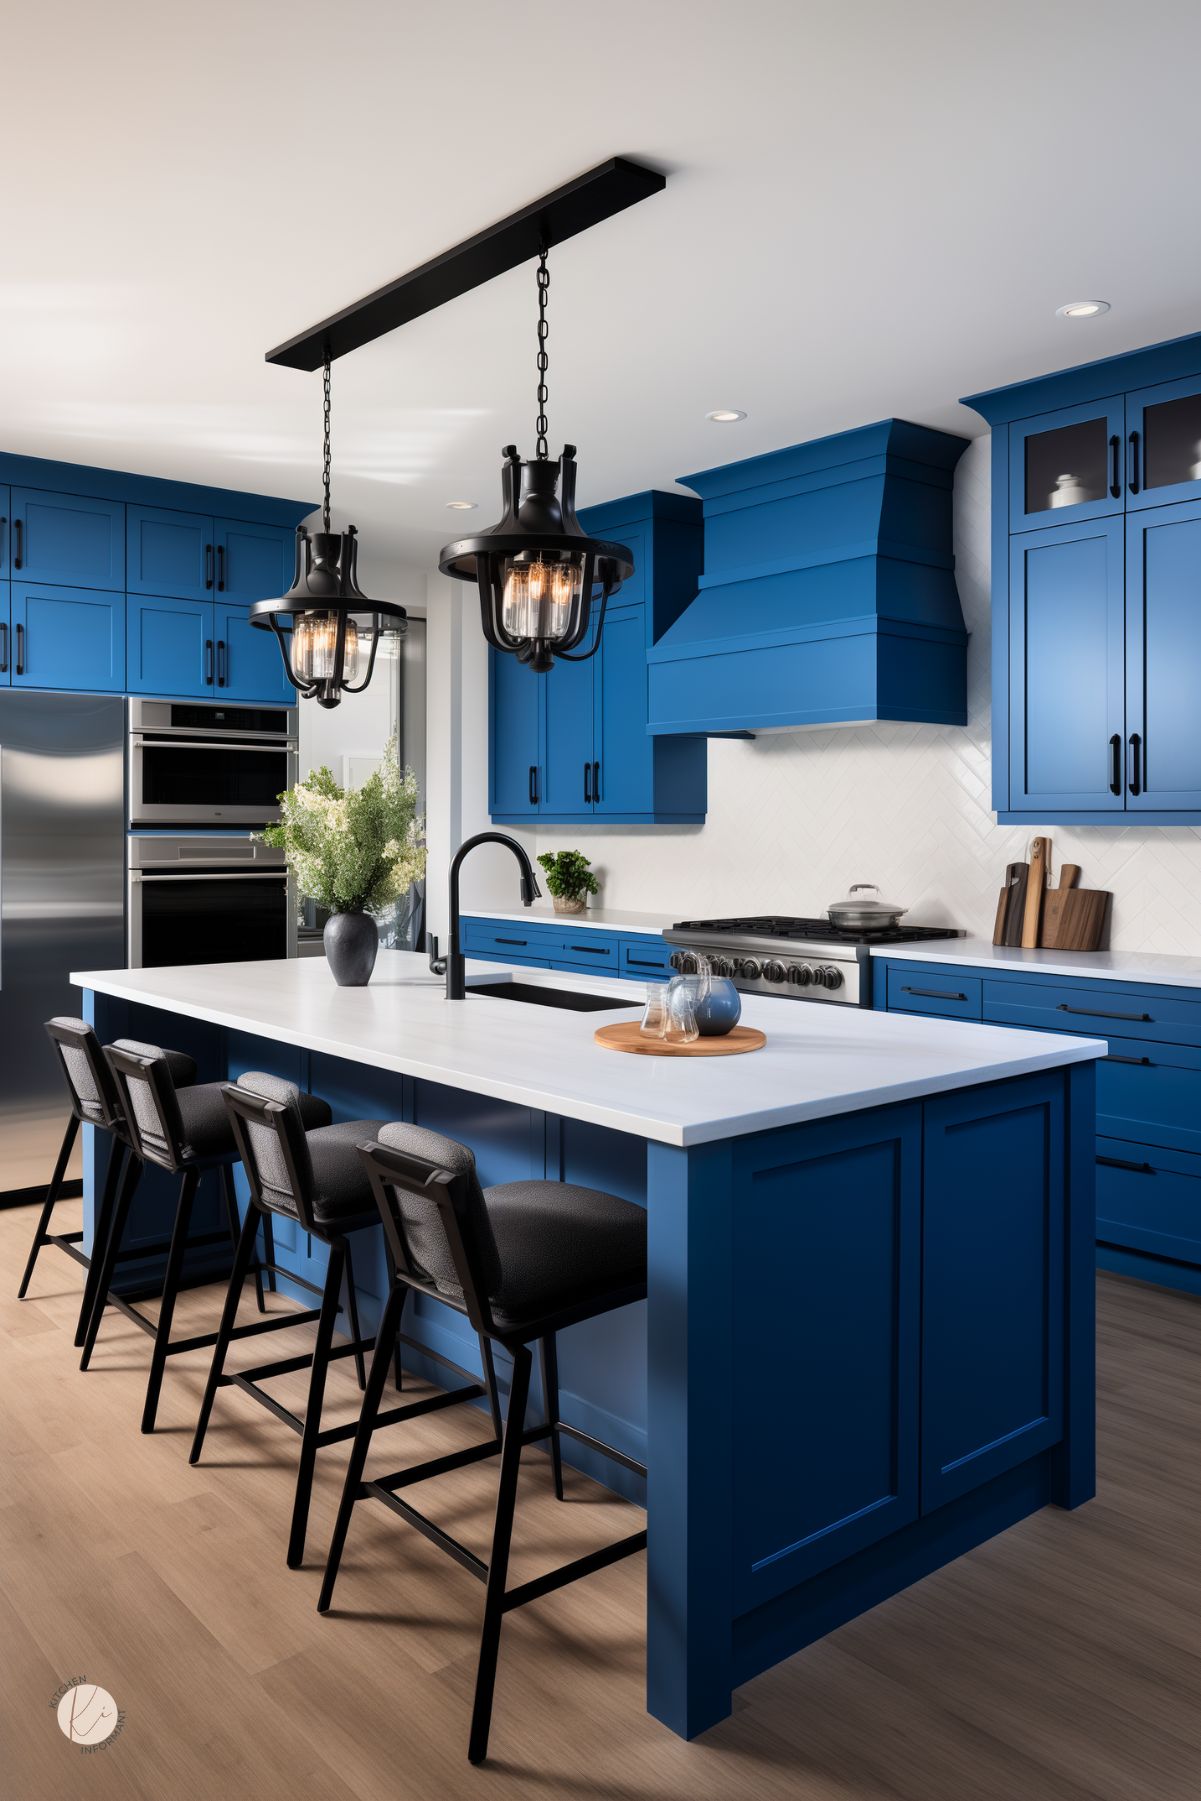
{"x": 600, "y": 919}
{"x": 1115, "y": 966}
{"x": 819, "y": 1060}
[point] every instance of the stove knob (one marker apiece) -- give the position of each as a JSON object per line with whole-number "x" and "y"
{"x": 775, "y": 972}
{"x": 800, "y": 974}
{"x": 678, "y": 959}
{"x": 829, "y": 976}
{"x": 722, "y": 966}
{"x": 750, "y": 969}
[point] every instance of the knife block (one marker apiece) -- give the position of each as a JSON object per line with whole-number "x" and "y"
{"x": 1075, "y": 919}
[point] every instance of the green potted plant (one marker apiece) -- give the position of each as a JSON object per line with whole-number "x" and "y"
{"x": 353, "y": 851}
{"x": 570, "y": 879}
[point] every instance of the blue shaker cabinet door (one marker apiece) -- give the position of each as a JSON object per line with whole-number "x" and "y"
{"x": 516, "y": 699}
{"x": 172, "y": 646}
{"x": 67, "y": 539}
{"x": 254, "y": 562}
{"x": 6, "y": 534}
{"x": 67, "y": 638}
{"x": 6, "y": 637}
{"x": 1163, "y": 444}
{"x": 570, "y": 742}
{"x": 170, "y": 553}
{"x": 1066, "y": 650}
{"x": 249, "y": 663}
{"x": 1067, "y": 466}
{"x": 1163, "y": 659}
{"x": 625, "y": 753}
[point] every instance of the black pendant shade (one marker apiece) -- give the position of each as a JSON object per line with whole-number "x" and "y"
{"x": 328, "y": 630}
{"x": 538, "y": 574}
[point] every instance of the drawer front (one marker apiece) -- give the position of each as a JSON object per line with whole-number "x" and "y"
{"x": 1094, "y": 1012}
{"x": 506, "y": 941}
{"x": 950, "y": 997}
{"x": 1151, "y": 1094}
{"x": 1149, "y": 1199}
{"x": 584, "y": 950}
{"x": 646, "y": 959}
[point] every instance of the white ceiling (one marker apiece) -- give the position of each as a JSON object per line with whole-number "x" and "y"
{"x": 871, "y": 209}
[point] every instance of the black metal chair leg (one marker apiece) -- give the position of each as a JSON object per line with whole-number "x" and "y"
{"x": 312, "y": 1417}
{"x": 399, "y": 1366}
{"x": 162, "y": 1336}
{"x": 387, "y": 1336}
{"x": 102, "y": 1227}
{"x": 498, "y": 1563}
{"x": 269, "y": 1251}
{"x": 229, "y": 1313}
{"x": 352, "y": 1319}
{"x": 489, "y": 1363}
{"x": 56, "y": 1182}
{"x": 125, "y": 1194}
{"x": 225, "y": 1176}
{"x": 550, "y": 1395}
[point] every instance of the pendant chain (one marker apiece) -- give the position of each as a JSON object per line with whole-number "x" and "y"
{"x": 325, "y": 468}
{"x": 540, "y": 426}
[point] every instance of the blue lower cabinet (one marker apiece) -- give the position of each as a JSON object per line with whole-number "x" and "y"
{"x": 249, "y": 663}
{"x": 6, "y": 637}
{"x": 911, "y": 991}
{"x": 580, "y": 949}
{"x": 67, "y": 538}
{"x": 498, "y": 941}
{"x": 586, "y": 950}
{"x": 1149, "y": 1199}
{"x": 646, "y": 959}
{"x": 67, "y": 638}
{"x": 171, "y": 646}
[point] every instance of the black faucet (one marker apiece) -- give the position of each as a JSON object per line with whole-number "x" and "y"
{"x": 456, "y": 987}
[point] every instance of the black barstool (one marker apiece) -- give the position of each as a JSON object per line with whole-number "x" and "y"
{"x": 185, "y": 1131}
{"x": 522, "y": 1261}
{"x": 318, "y": 1178}
{"x": 94, "y": 1102}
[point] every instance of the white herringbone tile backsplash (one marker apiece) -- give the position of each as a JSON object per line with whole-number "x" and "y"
{"x": 795, "y": 817}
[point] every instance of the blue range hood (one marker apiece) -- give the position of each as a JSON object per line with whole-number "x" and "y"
{"x": 829, "y": 590}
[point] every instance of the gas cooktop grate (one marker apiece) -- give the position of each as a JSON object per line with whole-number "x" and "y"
{"x": 814, "y": 931}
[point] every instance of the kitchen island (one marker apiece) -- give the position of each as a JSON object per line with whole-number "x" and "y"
{"x": 868, "y": 1340}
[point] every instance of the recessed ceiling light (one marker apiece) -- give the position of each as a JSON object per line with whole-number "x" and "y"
{"x": 725, "y": 415}
{"x": 1082, "y": 309}
{"x": 461, "y": 506}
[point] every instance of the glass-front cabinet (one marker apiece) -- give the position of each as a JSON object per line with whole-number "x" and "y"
{"x": 1067, "y": 466}
{"x": 1164, "y": 444}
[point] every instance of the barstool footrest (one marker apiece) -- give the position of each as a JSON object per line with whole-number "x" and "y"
{"x": 433, "y": 1466}
{"x": 571, "y": 1572}
{"x": 598, "y": 1444}
{"x": 462, "y": 1556}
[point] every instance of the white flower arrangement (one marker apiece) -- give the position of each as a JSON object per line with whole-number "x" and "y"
{"x": 352, "y": 850}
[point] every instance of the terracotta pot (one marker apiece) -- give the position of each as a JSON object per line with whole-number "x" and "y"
{"x": 351, "y": 941}
{"x": 574, "y": 903}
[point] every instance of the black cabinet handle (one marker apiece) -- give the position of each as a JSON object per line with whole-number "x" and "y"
{"x": 1141, "y": 1062}
{"x": 1138, "y": 1169}
{"x": 643, "y": 963}
{"x": 222, "y": 664}
{"x": 20, "y": 649}
{"x": 1115, "y": 479}
{"x": 3, "y": 523}
{"x": 18, "y": 544}
{"x": 591, "y": 950}
{"x": 514, "y": 941}
{"x": 4, "y": 643}
{"x": 587, "y": 784}
{"x": 1133, "y": 483}
{"x": 208, "y": 662}
{"x": 1115, "y": 771}
{"x": 208, "y": 565}
{"x": 596, "y": 783}
{"x": 1136, "y": 782}
{"x": 1097, "y": 1013}
{"x": 533, "y": 784}
{"x": 220, "y": 568}
{"x": 934, "y": 994}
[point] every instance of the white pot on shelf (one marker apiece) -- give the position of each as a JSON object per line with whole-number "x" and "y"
{"x": 1068, "y": 491}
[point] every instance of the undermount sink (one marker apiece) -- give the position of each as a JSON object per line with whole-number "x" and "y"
{"x": 549, "y": 997}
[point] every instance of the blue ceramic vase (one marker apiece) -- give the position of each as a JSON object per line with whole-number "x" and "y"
{"x": 720, "y": 1011}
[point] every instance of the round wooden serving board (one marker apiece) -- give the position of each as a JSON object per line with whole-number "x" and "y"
{"x": 629, "y": 1037}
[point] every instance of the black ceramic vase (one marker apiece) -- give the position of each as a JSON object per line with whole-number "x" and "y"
{"x": 351, "y": 941}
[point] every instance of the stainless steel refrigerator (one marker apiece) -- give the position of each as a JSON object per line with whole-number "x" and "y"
{"x": 62, "y": 878}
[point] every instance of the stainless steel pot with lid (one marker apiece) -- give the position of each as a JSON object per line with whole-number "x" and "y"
{"x": 862, "y": 910}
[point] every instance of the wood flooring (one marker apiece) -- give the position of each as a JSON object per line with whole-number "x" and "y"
{"x": 1060, "y": 1662}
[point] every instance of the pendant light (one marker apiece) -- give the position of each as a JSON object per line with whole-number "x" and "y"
{"x": 327, "y": 629}
{"x": 537, "y": 572}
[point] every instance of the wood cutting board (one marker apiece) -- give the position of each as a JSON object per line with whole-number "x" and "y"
{"x": 629, "y": 1037}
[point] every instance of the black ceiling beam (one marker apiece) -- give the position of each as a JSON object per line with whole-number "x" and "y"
{"x": 575, "y": 207}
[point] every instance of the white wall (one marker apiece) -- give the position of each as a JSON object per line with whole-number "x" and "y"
{"x": 795, "y": 817}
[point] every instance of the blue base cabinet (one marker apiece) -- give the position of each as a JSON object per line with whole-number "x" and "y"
{"x": 572, "y": 746}
{"x": 585, "y": 950}
{"x": 1148, "y": 1118}
{"x": 1096, "y": 632}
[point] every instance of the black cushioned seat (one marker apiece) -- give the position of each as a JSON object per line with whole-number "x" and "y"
{"x": 339, "y": 1188}
{"x": 205, "y": 1118}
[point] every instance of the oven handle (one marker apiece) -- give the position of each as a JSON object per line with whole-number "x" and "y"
{"x": 229, "y": 875}
{"x": 260, "y": 750}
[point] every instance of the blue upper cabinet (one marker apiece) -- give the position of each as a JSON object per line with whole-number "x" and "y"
{"x": 67, "y": 638}
{"x": 1096, "y": 572}
{"x": 172, "y": 645}
{"x": 6, "y": 534}
{"x": 254, "y": 562}
{"x": 573, "y": 745}
{"x": 70, "y": 539}
{"x": 170, "y": 553}
{"x": 248, "y": 662}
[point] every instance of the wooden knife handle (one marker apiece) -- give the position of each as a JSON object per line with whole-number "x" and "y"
{"x": 1034, "y": 894}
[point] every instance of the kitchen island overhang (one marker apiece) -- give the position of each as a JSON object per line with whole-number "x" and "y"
{"x": 869, "y": 1325}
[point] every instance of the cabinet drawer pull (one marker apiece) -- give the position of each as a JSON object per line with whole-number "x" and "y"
{"x": 591, "y": 950}
{"x": 533, "y": 789}
{"x": 220, "y": 568}
{"x": 1140, "y": 1062}
{"x": 596, "y": 794}
{"x": 1136, "y": 786}
{"x": 1099, "y": 1013}
{"x": 1137, "y": 1169}
{"x": 587, "y": 784}
{"x": 222, "y": 664}
{"x": 934, "y": 994}
{"x": 1133, "y": 483}
{"x": 1115, "y": 479}
{"x": 4, "y": 649}
{"x": 643, "y": 963}
{"x": 208, "y": 662}
{"x": 518, "y": 941}
{"x": 208, "y": 565}
{"x": 18, "y": 544}
{"x": 20, "y": 649}
{"x": 1115, "y": 767}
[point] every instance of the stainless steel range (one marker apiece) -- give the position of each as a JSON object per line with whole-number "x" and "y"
{"x": 801, "y": 959}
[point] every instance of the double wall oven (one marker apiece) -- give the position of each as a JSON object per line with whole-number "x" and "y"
{"x": 201, "y": 778}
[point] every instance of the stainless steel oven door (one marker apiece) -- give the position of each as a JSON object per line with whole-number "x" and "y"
{"x": 180, "y": 781}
